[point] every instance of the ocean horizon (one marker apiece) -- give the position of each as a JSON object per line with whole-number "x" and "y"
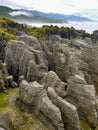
{"x": 89, "y": 27}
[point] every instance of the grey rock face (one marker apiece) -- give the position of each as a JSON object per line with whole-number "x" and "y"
{"x": 5, "y": 122}
{"x": 52, "y": 80}
{"x": 23, "y": 59}
{"x": 84, "y": 97}
{"x": 68, "y": 111}
{"x": 10, "y": 82}
{"x": 79, "y": 43}
{"x": 51, "y": 113}
{"x": 21, "y": 78}
{"x": 35, "y": 95}
{"x": 90, "y": 56}
{"x": 6, "y": 81}
{"x": 30, "y": 41}
{"x": 69, "y": 67}
{"x": 64, "y": 57}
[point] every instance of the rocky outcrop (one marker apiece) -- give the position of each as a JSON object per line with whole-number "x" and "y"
{"x": 64, "y": 57}
{"x": 52, "y": 80}
{"x": 23, "y": 59}
{"x": 26, "y": 57}
{"x": 61, "y": 77}
{"x": 84, "y": 97}
{"x": 34, "y": 95}
{"x": 58, "y": 113}
{"x": 68, "y": 111}
{"x": 90, "y": 56}
{"x": 6, "y": 80}
{"x": 10, "y": 82}
{"x": 30, "y": 41}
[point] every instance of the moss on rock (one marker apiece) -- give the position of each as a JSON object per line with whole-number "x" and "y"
{"x": 84, "y": 125}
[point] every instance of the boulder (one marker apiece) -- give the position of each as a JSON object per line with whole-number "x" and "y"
{"x": 52, "y": 80}
{"x": 90, "y": 56}
{"x": 21, "y": 78}
{"x": 10, "y": 82}
{"x": 35, "y": 97}
{"x": 52, "y": 114}
{"x": 5, "y": 122}
{"x": 84, "y": 97}
{"x": 68, "y": 111}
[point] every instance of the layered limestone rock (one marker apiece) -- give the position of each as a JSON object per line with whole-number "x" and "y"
{"x": 52, "y": 80}
{"x": 54, "y": 111}
{"x": 23, "y": 59}
{"x": 30, "y": 41}
{"x": 6, "y": 80}
{"x": 64, "y": 57}
{"x": 67, "y": 66}
{"x": 84, "y": 97}
{"x": 35, "y": 96}
{"x": 27, "y": 58}
{"x": 90, "y": 56}
{"x": 68, "y": 111}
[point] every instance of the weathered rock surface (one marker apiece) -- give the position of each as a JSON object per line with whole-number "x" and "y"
{"x": 84, "y": 97}
{"x": 64, "y": 57}
{"x": 35, "y": 96}
{"x": 90, "y": 56}
{"x": 23, "y": 59}
{"x": 5, "y": 121}
{"x": 70, "y": 67}
{"x": 6, "y": 81}
{"x": 30, "y": 41}
{"x": 52, "y": 80}
{"x": 68, "y": 111}
{"x": 10, "y": 82}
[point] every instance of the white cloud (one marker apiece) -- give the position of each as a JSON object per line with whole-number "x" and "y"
{"x": 15, "y": 13}
{"x": 54, "y": 5}
{"x": 90, "y": 13}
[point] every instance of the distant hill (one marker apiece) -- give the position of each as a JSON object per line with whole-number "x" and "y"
{"x": 31, "y": 16}
{"x": 26, "y": 16}
{"x": 68, "y": 17}
{"x": 61, "y": 16}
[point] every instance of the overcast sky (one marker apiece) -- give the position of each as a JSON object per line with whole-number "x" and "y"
{"x": 87, "y": 8}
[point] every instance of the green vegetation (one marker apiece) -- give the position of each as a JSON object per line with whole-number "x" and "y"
{"x": 45, "y": 31}
{"x": 65, "y": 32}
{"x": 10, "y": 28}
{"x": 85, "y": 34}
{"x": 84, "y": 125}
{"x": 27, "y": 120}
{"x": 3, "y": 99}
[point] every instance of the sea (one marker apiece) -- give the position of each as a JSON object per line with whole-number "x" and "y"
{"x": 89, "y": 27}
